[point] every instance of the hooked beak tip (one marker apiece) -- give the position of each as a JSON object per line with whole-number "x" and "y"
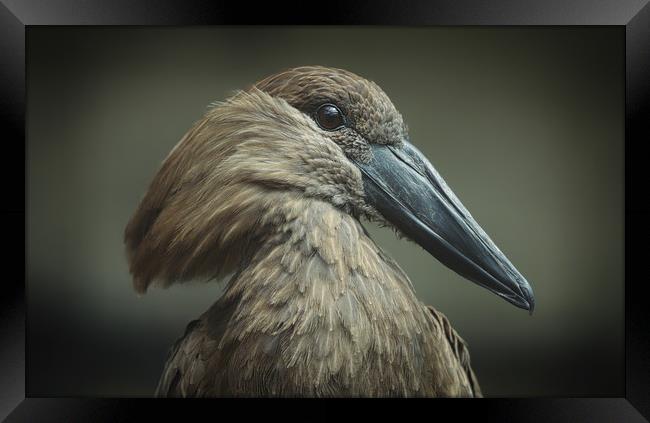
{"x": 531, "y": 304}
{"x": 526, "y": 299}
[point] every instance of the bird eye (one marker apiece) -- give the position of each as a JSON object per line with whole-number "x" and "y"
{"x": 329, "y": 117}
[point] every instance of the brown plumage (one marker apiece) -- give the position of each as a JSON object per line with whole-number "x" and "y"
{"x": 258, "y": 190}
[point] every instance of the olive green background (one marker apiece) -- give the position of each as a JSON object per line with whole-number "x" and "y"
{"x": 525, "y": 124}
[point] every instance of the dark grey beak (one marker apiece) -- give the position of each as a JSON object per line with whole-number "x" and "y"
{"x": 409, "y": 193}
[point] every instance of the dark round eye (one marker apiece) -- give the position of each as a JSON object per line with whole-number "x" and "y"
{"x": 329, "y": 117}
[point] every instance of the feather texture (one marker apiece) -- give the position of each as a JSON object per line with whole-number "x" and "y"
{"x": 290, "y": 324}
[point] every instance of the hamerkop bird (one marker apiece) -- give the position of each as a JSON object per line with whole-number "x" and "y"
{"x": 268, "y": 188}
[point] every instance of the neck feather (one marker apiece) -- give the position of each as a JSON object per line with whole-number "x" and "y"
{"x": 321, "y": 303}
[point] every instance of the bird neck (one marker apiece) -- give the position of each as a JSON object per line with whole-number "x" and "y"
{"x": 312, "y": 251}
{"x": 320, "y": 297}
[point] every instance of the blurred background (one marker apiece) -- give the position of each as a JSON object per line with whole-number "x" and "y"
{"x": 525, "y": 124}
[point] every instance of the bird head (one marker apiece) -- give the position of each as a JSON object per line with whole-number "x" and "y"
{"x": 306, "y": 134}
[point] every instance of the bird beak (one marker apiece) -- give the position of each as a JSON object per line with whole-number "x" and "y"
{"x": 409, "y": 193}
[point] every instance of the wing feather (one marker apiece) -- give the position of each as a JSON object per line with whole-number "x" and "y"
{"x": 459, "y": 347}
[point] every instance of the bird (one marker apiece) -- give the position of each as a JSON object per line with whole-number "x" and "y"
{"x": 267, "y": 192}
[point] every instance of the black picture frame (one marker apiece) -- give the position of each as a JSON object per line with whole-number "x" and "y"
{"x": 16, "y": 16}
